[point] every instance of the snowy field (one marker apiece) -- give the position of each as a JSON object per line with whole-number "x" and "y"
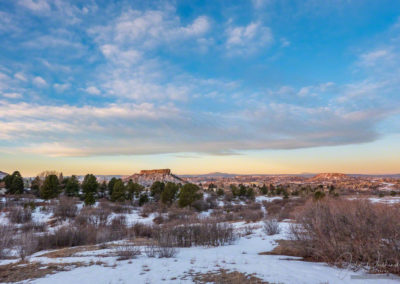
{"x": 100, "y": 264}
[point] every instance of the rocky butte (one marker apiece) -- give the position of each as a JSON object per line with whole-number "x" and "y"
{"x": 148, "y": 177}
{"x": 330, "y": 177}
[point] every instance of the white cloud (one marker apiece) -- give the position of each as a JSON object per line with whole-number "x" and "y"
{"x": 39, "y": 82}
{"x": 35, "y": 5}
{"x": 248, "y": 39}
{"x": 149, "y": 29}
{"x": 61, "y": 87}
{"x": 371, "y": 58}
{"x": 12, "y": 95}
{"x": 93, "y": 90}
{"x": 20, "y": 76}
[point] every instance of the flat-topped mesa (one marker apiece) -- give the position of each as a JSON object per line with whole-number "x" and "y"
{"x": 158, "y": 171}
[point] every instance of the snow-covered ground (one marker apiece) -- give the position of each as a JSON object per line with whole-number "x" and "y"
{"x": 242, "y": 256}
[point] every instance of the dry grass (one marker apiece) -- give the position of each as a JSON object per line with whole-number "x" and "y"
{"x": 223, "y": 276}
{"x": 285, "y": 247}
{"x": 70, "y": 252}
{"x": 17, "y": 272}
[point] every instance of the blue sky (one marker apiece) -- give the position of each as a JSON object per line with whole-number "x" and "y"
{"x": 199, "y": 86}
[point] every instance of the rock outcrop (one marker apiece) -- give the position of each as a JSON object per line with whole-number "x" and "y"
{"x": 330, "y": 177}
{"x": 148, "y": 177}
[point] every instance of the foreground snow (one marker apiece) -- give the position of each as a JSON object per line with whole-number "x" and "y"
{"x": 243, "y": 256}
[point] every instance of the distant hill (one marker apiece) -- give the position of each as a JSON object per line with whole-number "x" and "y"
{"x": 212, "y": 175}
{"x": 2, "y": 174}
{"x": 330, "y": 177}
{"x": 148, "y": 177}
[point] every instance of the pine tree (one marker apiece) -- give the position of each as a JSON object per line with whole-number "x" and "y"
{"x": 72, "y": 186}
{"x": 119, "y": 190}
{"x": 111, "y": 186}
{"x": 156, "y": 189}
{"x": 14, "y": 183}
{"x": 189, "y": 194}
{"x": 35, "y": 186}
{"x": 89, "y": 188}
{"x": 169, "y": 193}
{"x": 50, "y": 187}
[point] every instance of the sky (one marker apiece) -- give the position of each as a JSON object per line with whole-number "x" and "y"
{"x": 262, "y": 86}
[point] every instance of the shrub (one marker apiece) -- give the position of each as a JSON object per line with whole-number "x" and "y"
{"x": 206, "y": 233}
{"x": 20, "y": 215}
{"x": 340, "y": 231}
{"x": 271, "y": 227}
{"x": 27, "y": 245}
{"x": 249, "y": 215}
{"x": 34, "y": 227}
{"x": 66, "y": 236}
{"x": 127, "y": 252}
{"x": 166, "y": 246}
{"x": 65, "y": 208}
{"x": 6, "y": 239}
{"x": 151, "y": 250}
{"x": 200, "y": 205}
{"x": 142, "y": 230}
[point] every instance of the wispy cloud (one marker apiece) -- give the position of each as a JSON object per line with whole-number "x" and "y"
{"x": 245, "y": 40}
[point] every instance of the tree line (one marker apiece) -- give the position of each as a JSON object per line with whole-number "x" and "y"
{"x": 50, "y": 185}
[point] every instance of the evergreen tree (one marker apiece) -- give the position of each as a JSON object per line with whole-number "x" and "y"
{"x": 50, "y": 187}
{"x": 103, "y": 189}
{"x": 189, "y": 194}
{"x": 133, "y": 189}
{"x": 89, "y": 188}
{"x": 156, "y": 189}
{"x": 169, "y": 193}
{"x": 264, "y": 189}
{"x": 250, "y": 194}
{"x": 35, "y": 186}
{"x": 111, "y": 186}
{"x": 234, "y": 190}
{"x": 89, "y": 198}
{"x": 220, "y": 192}
{"x": 242, "y": 190}
{"x": 118, "y": 192}
{"x": 72, "y": 186}
{"x": 17, "y": 184}
{"x": 143, "y": 198}
{"x": 14, "y": 183}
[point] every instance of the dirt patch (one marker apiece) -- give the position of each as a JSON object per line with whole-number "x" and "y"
{"x": 224, "y": 276}
{"x": 16, "y": 272}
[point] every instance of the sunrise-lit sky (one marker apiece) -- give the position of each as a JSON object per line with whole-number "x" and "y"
{"x": 263, "y": 86}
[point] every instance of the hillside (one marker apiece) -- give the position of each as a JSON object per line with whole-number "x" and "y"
{"x": 330, "y": 177}
{"x": 148, "y": 177}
